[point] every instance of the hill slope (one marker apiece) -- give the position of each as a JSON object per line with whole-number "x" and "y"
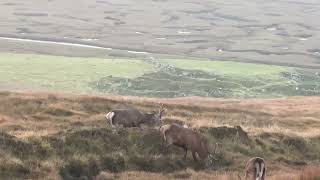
{"x": 66, "y": 136}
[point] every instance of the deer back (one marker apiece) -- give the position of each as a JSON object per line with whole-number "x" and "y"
{"x": 193, "y": 141}
{"x": 127, "y": 117}
{"x": 180, "y": 136}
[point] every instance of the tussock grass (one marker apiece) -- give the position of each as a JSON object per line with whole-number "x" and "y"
{"x": 66, "y": 136}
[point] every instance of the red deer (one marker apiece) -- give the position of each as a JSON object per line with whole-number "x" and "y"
{"x": 131, "y": 117}
{"x": 256, "y": 169}
{"x": 187, "y": 139}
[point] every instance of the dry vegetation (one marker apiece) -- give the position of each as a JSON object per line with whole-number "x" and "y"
{"x": 66, "y": 136}
{"x": 307, "y": 173}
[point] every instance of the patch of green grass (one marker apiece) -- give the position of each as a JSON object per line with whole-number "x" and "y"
{"x": 65, "y": 73}
{"x": 231, "y": 69}
{"x": 176, "y": 82}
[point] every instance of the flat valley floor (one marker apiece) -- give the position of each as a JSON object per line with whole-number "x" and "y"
{"x": 284, "y": 32}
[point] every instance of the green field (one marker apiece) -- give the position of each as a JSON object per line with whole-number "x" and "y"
{"x": 65, "y": 73}
{"x": 157, "y": 78}
{"x": 231, "y": 69}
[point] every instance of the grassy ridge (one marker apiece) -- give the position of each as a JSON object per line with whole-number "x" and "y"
{"x": 48, "y": 135}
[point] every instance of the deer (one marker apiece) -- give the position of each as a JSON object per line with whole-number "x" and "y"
{"x": 131, "y": 117}
{"x": 255, "y": 168}
{"x": 187, "y": 139}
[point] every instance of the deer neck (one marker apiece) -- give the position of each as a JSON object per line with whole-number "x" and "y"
{"x": 146, "y": 117}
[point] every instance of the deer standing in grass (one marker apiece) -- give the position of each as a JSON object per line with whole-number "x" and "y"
{"x": 187, "y": 139}
{"x": 256, "y": 169}
{"x": 131, "y": 117}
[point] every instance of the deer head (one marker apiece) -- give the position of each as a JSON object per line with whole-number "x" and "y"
{"x": 161, "y": 111}
{"x": 157, "y": 116}
{"x": 154, "y": 119}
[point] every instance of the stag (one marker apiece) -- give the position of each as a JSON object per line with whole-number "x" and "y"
{"x": 187, "y": 139}
{"x": 256, "y": 169}
{"x": 131, "y": 117}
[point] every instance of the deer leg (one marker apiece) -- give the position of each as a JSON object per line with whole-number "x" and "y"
{"x": 168, "y": 143}
{"x": 194, "y": 156}
{"x": 264, "y": 174}
{"x": 185, "y": 153}
{"x": 139, "y": 126}
{"x": 166, "y": 147}
{"x": 256, "y": 170}
{"x": 247, "y": 175}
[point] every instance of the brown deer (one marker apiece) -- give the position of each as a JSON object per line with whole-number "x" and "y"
{"x": 256, "y": 169}
{"x": 187, "y": 139}
{"x": 131, "y": 117}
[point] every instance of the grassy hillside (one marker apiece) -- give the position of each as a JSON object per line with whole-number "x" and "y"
{"x": 154, "y": 77}
{"x": 67, "y": 137}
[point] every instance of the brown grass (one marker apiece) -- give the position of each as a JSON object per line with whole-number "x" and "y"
{"x": 307, "y": 173}
{"x": 298, "y": 116}
{"x": 35, "y": 115}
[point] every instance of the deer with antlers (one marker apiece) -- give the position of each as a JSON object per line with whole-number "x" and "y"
{"x": 131, "y": 117}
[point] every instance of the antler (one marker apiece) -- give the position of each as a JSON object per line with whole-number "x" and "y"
{"x": 161, "y": 109}
{"x": 161, "y": 105}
